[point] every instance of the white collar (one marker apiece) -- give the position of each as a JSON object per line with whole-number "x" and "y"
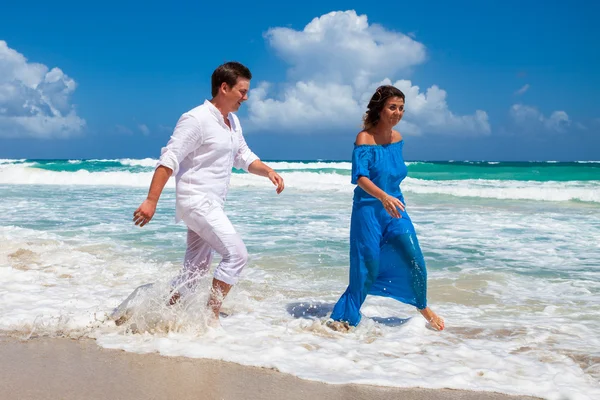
{"x": 215, "y": 111}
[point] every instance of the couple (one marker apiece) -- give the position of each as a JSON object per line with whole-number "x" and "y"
{"x": 385, "y": 258}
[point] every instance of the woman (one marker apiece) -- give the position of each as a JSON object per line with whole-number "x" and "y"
{"x": 385, "y": 257}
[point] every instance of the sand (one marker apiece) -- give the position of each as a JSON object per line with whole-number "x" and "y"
{"x": 60, "y": 368}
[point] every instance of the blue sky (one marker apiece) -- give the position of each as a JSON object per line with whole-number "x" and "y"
{"x": 485, "y": 80}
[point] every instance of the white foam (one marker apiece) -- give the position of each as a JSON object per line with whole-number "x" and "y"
{"x": 586, "y": 191}
{"x": 278, "y": 165}
{"x": 520, "y": 291}
{"x": 146, "y": 162}
{"x": 285, "y": 165}
{"x": 20, "y": 175}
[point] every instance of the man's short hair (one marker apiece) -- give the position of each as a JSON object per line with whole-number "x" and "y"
{"x": 228, "y": 73}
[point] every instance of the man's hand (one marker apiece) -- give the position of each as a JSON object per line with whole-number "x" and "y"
{"x": 258, "y": 167}
{"x": 144, "y": 213}
{"x": 277, "y": 181}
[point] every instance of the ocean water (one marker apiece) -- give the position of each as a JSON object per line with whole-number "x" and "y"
{"x": 512, "y": 249}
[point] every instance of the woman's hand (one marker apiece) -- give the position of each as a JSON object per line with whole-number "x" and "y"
{"x": 391, "y": 205}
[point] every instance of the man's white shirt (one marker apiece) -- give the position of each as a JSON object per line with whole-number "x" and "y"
{"x": 201, "y": 152}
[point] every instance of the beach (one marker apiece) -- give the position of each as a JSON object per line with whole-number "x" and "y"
{"x": 46, "y": 368}
{"x": 513, "y": 267}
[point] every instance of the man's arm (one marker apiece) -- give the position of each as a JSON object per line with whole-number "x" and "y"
{"x": 187, "y": 135}
{"x": 146, "y": 211}
{"x": 258, "y": 167}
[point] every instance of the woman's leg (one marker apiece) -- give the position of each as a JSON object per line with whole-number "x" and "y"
{"x": 365, "y": 241}
{"x": 407, "y": 246}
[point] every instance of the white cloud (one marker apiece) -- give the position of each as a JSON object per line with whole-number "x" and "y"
{"x": 122, "y": 129}
{"x": 343, "y": 47}
{"x": 523, "y": 89}
{"x": 530, "y": 118}
{"x": 34, "y": 100}
{"x": 165, "y": 128}
{"x": 335, "y": 64}
{"x": 428, "y": 112}
{"x": 306, "y": 106}
{"x": 144, "y": 129}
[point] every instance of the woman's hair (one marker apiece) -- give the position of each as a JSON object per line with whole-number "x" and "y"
{"x": 377, "y": 103}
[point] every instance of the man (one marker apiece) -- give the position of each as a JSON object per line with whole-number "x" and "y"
{"x": 206, "y": 143}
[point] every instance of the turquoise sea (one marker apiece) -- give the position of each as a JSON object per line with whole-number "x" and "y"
{"x": 512, "y": 249}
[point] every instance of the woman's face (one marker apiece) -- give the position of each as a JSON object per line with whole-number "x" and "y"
{"x": 392, "y": 111}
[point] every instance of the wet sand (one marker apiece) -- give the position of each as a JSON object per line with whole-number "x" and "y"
{"x": 48, "y": 368}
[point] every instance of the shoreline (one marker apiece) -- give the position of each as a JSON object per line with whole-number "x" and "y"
{"x": 43, "y": 368}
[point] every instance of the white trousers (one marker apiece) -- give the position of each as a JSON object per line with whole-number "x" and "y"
{"x": 209, "y": 229}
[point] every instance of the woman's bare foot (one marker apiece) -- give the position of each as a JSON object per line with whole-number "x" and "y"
{"x": 338, "y": 326}
{"x": 434, "y": 320}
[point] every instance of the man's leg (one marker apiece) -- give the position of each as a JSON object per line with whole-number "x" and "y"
{"x": 198, "y": 257}
{"x": 216, "y": 230}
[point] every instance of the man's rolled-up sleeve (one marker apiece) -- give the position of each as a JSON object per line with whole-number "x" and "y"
{"x": 186, "y": 137}
{"x": 244, "y": 156}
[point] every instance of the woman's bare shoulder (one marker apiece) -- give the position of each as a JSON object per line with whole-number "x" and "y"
{"x": 364, "y": 137}
{"x": 396, "y": 136}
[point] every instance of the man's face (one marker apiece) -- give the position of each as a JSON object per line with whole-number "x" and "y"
{"x": 236, "y": 95}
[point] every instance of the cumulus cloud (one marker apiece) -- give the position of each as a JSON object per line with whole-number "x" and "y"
{"x": 523, "y": 89}
{"x": 530, "y": 118}
{"x": 343, "y": 47}
{"x": 34, "y": 100}
{"x": 335, "y": 64}
{"x": 306, "y": 106}
{"x": 428, "y": 112}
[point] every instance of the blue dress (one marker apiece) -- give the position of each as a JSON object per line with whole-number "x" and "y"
{"x": 385, "y": 257}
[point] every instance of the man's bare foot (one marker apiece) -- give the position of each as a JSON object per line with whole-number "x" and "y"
{"x": 121, "y": 320}
{"x": 213, "y": 322}
{"x": 434, "y": 320}
{"x": 218, "y": 293}
{"x": 174, "y": 298}
{"x": 338, "y": 326}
